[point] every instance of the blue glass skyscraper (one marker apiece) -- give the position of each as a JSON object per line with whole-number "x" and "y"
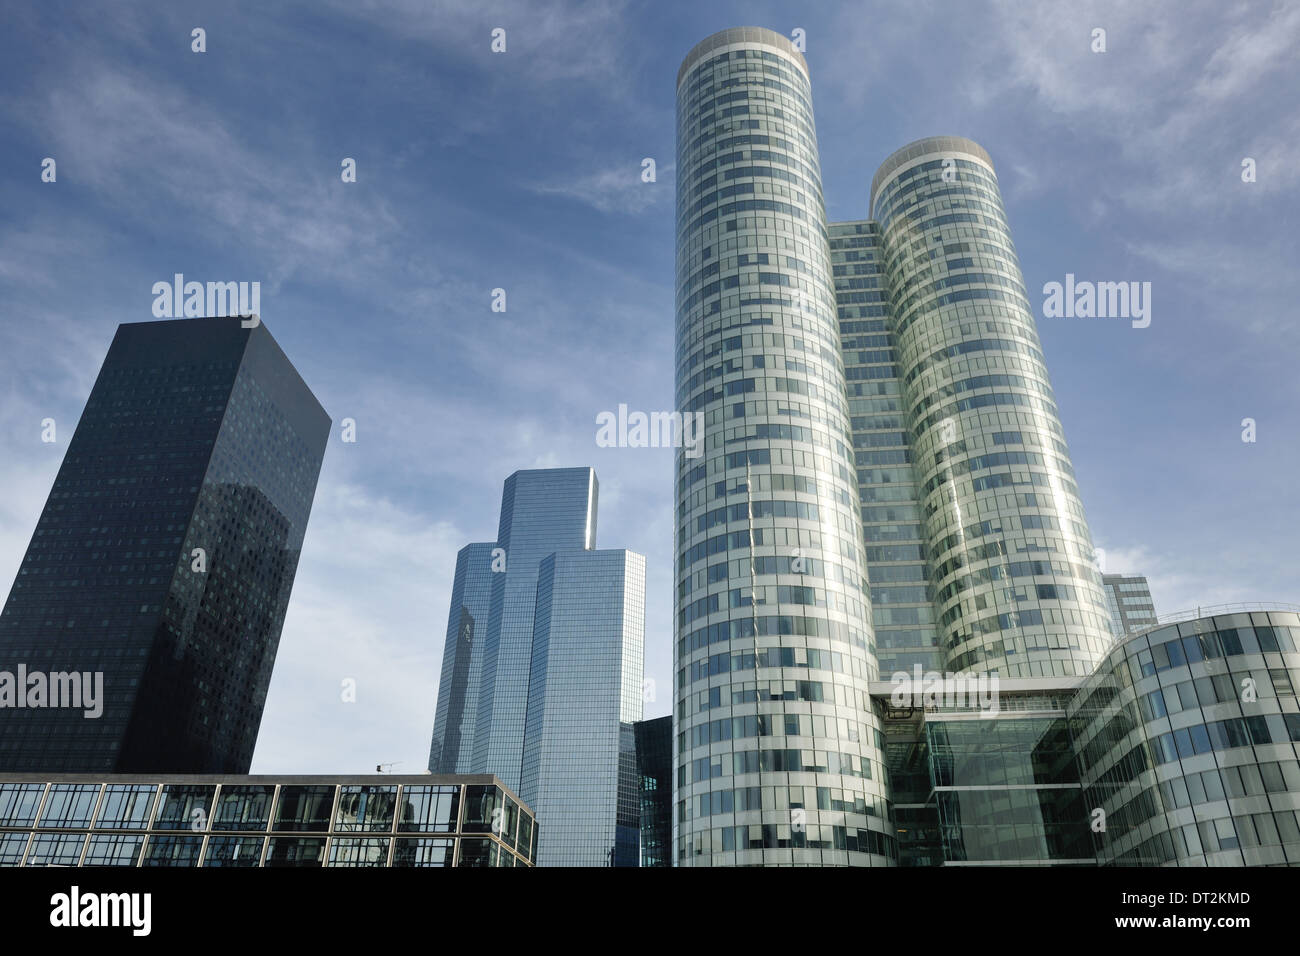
{"x": 542, "y": 668}
{"x": 541, "y": 512}
{"x": 462, "y": 661}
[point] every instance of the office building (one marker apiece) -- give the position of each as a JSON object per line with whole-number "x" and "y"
{"x": 1187, "y": 738}
{"x": 778, "y": 750}
{"x": 542, "y": 668}
{"x": 162, "y": 563}
{"x": 584, "y": 696}
{"x": 654, "y": 757}
{"x": 452, "y": 749}
{"x": 1128, "y": 598}
{"x": 187, "y": 820}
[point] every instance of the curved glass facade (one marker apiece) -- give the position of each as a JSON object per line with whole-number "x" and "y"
{"x": 1011, "y": 559}
{"x": 777, "y": 748}
{"x": 1188, "y": 738}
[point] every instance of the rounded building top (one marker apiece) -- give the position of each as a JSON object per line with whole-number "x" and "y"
{"x": 922, "y": 147}
{"x": 740, "y": 35}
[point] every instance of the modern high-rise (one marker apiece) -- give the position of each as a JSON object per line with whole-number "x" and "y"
{"x": 654, "y": 761}
{"x": 542, "y": 511}
{"x": 1128, "y": 597}
{"x": 165, "y": 555}
{"x": 877, "y": 406}
{"x": 1010, "y": 556}
{"x": 778, "y": 749}
{"x": 584, "y": 698}
{"x": 462, "y": 660}
{"x": 542, "y": 669}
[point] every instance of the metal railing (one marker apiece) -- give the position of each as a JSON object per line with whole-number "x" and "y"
{"x": 1213, "y": 610}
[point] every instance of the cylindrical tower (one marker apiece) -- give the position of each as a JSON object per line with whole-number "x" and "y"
{"x": 776, "y": 746}
{"x": 1016, "y": 589}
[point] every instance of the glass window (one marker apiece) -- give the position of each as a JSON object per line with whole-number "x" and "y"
{"x": 296, "y": 851}
{"x": 19, "y": 803}
{"x": 480, "y": 802}
{"x": 126, "y": 806}
{"x": 304, "y": 808}
{"x": 173, "y": 851}
{"x": 113, "y": 849}
{"x": 56, "y": 849}
{"x": 1271, "y": 775}
{"x": 239, "y": 851}
{"x": 1200, "y": 739}
{"x": 183, "y": 807}
{"x": 366, "y": 808}
{"x": 525, "y": 846}
{"x": 509, "y": 821}
{"x": 1213, "y": 785}
{"x": 435, "y": 809}
{"x": 244, "y": 808}
{"x": 70, "y": 805}
{"x": 476, "y": 851}
{"x": 359, "y": 851}
{"x": 423, "y": 851}
{"x": 12, "y": 848}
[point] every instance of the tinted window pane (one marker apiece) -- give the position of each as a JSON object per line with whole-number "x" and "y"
{"x": 295, "y": 851}
{"x": 234, "y": 851}
{"x": 19, "y": 803}
{"x": 244, "y": 808}
{"x": 126, "y": 806}
{"x": 113, "y": 849}
{"x": 366, "y": 808}
{"x": 69, "y": 805}
{"x": 359, "y": 851}
{"x": 433, "y": 809}
{"x": 56, "y": 849}
{"x": 304, "y": 808}
{"x": 173, "y": 851}
{"x": 183, "y": 807}
{"x": 423, "y": 851}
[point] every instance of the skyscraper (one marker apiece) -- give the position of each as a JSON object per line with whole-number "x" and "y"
{"x": 1014, "y": 587}
{"x": 542, "y": 511}
{"x": 166, "y": 553}
{"x": 777, "y": 750}
{"x": 1128, "y": 596}
{"x": 542, "y": 668}
{"x": 877, "y": 406}
{"x": 902, "y": 611}
{"x": 452, "y": 749}
{"x": 654, "y": 761}
{"x": 584, "y": 695}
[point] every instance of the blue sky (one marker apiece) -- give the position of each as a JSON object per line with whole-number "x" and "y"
{"x": 521, "y": 171}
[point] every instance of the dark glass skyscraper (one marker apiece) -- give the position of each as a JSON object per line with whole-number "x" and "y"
{"x": 165, "y": 554}
{"x": 654, "y": 761}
